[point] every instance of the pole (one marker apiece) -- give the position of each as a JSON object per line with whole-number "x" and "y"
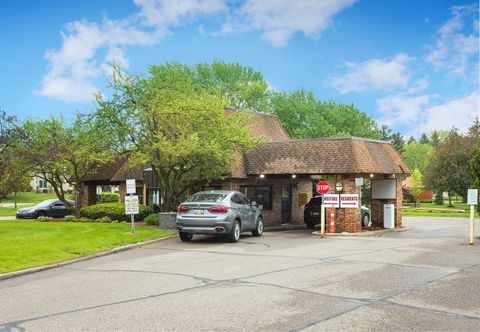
{"x": 132, "y": 218}
{"x": 472, "y": 214}
{"x": 322, "y": 220}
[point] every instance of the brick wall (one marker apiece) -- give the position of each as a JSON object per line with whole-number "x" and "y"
{"x": 346, "y": 220}
{"x": 377, "y": 208}
{"x": 89, "y": 196}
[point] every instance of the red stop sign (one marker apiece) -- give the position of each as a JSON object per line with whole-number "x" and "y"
{"x": 322, "y": 187}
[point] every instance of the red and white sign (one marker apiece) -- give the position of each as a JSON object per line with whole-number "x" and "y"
{"x": 349, "y": 201}
{"x": 131, "y": 186}
{"x": 322, "y": 187}
{"x": 331, "y": 199}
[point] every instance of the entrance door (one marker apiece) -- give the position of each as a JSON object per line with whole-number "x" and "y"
{"x": 286, "y": 204}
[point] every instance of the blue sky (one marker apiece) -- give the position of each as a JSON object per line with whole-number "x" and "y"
{"x": 413, "y": 65}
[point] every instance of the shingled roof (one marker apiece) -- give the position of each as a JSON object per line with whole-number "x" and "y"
{"x": 338, "y": 155}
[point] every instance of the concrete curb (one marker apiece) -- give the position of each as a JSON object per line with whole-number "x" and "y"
{"x": 287, "y": 227}
{"x": 364, "y": 234}
{"x": 19, "y": 273}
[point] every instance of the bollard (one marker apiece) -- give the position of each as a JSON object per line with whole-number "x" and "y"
{"x": 332, "y": 220}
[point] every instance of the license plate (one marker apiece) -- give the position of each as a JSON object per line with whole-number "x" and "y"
{"x": 197, "y": 212}
{"x": 315, "y": 213}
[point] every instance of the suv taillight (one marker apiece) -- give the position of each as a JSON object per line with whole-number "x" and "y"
{"x": 182, "y": 208}
{"x": 218, "y": 209}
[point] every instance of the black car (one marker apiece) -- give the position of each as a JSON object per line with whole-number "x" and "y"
{"x": 50, "y": 208}
{"x": 311, "y": 214}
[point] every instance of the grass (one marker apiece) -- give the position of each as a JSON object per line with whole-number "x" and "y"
{"x": 409, "y": 210}
{"x": 28, "y": 197}
{"x": 25, "y": 244}
{"x": 10, "y": 211}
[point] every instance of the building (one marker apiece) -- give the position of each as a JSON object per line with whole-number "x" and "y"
{"x": 38, "y": 184}
{"x": 280, "y": 172}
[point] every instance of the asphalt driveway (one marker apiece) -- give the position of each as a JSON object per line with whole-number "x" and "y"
{"x": 427, "y": 278}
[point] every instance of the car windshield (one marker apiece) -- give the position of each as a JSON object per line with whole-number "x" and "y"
{"x": 206, "y": 197}
{"x": 46, "y": 203}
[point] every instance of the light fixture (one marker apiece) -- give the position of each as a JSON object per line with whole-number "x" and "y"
{"x": 294, "y": 176}
{"x": 339, "y": 187}
{"x": 371, "y": 175}
{"x": 262, "y": 176}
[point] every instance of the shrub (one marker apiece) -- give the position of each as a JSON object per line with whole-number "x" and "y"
{"x": 70, "y": 218}
{"x": 108, "y": 198}
{"x": 43, "y": 218}
{"x": 115, "y": 211}
{"x": 439, "y": 198}
{"x": 152, "y": 219}
{"x": 105, "y": 220}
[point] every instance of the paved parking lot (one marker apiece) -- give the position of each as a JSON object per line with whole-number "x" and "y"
{"x": 427, "y": 278}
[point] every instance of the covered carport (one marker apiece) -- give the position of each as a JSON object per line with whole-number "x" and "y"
{"x": 338, "y": 161}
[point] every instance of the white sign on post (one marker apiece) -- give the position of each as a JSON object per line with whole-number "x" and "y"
{"x": 331, "y": 199}
{"x": 472, "y": 197}
{"x": 131, "y": 186}
{"x": 131, "y": 205}
{"x": 349, "y": 201}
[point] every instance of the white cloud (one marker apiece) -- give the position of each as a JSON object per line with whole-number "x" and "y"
{"x": 279, "y": 20}
{"x": 375, "y": 74}
{"x": 400, "y": 109}
{"x": 163, "y": 14}
{"x": 458, "y": 113}
{"x": 88, "y": 48}
{"x": 456, "y": 47}
{"x": 418, "y": 86}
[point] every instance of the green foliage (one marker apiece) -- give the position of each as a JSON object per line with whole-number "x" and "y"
{"x": 44, "y": 218}
{"x": 416, "y": 155}
{"x": 449, "y": 168}
{"x": 174, "y": 124}
{"x": 115, "y": 211}
{"x": 438, "y": 199}
{"x": 303, "y": 116}
{"x": 416, "y": 183}
{"x": 63, "y": 153}
{"x": 104, "y": 219}
{"x": 70, "y": 218}
{"x": 152, "y": 219}
{"x": 424, "y": 139}
{"x": 108, "y": 197}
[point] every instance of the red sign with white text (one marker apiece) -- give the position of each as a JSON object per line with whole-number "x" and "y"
{"x": 322, "y": 187}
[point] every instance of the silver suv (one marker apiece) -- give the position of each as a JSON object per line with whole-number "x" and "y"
{"x": 218, "y": 212}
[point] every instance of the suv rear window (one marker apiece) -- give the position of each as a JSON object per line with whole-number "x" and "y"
{"x": 211, "y": 198}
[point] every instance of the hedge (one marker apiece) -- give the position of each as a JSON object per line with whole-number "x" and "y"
{"x": 115, "y": 211}
{"x": 152, "y": 219}
{"x": 108, "y": 198}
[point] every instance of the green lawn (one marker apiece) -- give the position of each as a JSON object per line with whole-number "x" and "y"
{"x": 25, "y": 244}
{"x": 29, "y": 197}
{"x": 10, "y": 211}
{"x": 409, "y": 210}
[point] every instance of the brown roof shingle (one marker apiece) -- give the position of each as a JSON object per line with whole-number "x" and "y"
{"x": 340, "y": 155}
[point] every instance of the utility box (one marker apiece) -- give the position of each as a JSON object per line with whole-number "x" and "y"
{"x": 389, "y": 216}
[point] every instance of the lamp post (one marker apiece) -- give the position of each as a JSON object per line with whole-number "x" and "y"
{"x": 339, "y": 187}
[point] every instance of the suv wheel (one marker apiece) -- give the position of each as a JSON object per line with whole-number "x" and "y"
{"x": 185, "y": 237}
{"x": 234, "y": 236}
{"x": 258, "y": 231}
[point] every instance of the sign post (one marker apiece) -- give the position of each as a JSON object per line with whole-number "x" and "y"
{"x": 472, "y": 200}
{"x": 131, "y": 202}
{"x": 322, "y": 188}
{"x": 322, "y": 220}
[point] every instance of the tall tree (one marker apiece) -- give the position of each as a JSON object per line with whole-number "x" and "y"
{"x": 172, "y": 123}
{"x": 13, "y": 168}
{"x": 435, "y": 139}
{"x": 398, "y": 142}
{"x": 475, "y": 165}
{"x": 449, "y": 167}
{"x": 303, "y": 116}
{"x": 416, "y": 155}
{"x": 424, "y": 139}
{"x": 67, "y": 154}
{"x": 411, "y": 140}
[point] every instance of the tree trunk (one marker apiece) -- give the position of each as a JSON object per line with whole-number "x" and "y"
{"x": 449, "y": 200}
{"x": 79, "y": 199}
{"x": 15, "y": 199}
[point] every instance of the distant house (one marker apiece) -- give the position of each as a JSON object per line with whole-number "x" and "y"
{"x": 280, "y": 172}
{"x": 38, "y": 184}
